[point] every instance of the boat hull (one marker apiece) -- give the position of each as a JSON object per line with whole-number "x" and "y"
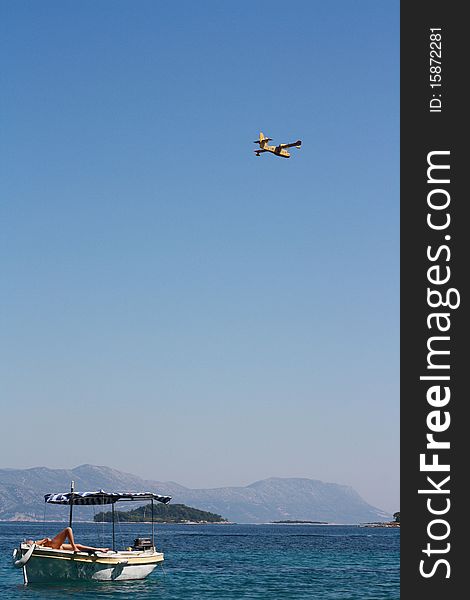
{"x": 47, "y": 565}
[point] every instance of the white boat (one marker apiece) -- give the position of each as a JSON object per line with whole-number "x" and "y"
{"x": 41, "y": 564}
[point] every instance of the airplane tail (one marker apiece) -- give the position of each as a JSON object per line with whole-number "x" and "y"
{"x": 262, "y": 139}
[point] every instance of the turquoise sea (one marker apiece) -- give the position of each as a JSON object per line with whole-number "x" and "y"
{"x": 229, "y": 562}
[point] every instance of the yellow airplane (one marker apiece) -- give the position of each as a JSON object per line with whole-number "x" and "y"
{"x": 277, "y": 150}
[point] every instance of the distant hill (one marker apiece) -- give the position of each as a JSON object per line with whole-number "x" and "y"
{"x": 162, "y": 513}
{"x": 22, "y": 496}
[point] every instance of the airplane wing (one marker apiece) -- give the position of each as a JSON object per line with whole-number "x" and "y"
{"x": 296, "y": 144}
{"x": 258, "y": 152}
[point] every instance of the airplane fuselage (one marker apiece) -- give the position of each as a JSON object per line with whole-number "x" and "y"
{"x": 277, "y": 151}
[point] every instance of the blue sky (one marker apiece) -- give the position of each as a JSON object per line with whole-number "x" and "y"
{"x": 238, "y": 315}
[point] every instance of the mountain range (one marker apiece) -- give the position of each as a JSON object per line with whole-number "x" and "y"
{"x": 274, "y": 499}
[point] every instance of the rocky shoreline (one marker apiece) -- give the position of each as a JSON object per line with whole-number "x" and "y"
{"x": 394, "y": 524}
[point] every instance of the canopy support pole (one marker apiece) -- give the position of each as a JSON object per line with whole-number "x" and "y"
{"x": 153, "y": 530}
{"x": 114, "y": 542}
{"x": 72, "y": 486}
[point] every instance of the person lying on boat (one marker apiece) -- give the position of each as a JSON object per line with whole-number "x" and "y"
{"x": 58, "y": 543}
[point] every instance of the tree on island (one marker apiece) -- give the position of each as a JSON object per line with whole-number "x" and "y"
{"x": 162, "y": 513}
{"x": 396, "y": 516}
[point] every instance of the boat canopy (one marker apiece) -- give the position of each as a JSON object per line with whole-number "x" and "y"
{"x": 102, "y": 497}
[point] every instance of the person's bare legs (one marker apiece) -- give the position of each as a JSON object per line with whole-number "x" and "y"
{"x": 58, "y": 541}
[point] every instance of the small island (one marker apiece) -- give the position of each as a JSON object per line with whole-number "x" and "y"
{"x": 297, "y": 522}
{"x": 395, "y": 523}
{"x": 162, "y": 513}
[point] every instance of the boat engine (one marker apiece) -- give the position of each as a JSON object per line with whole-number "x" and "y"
{"x": 142, "y": 544}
